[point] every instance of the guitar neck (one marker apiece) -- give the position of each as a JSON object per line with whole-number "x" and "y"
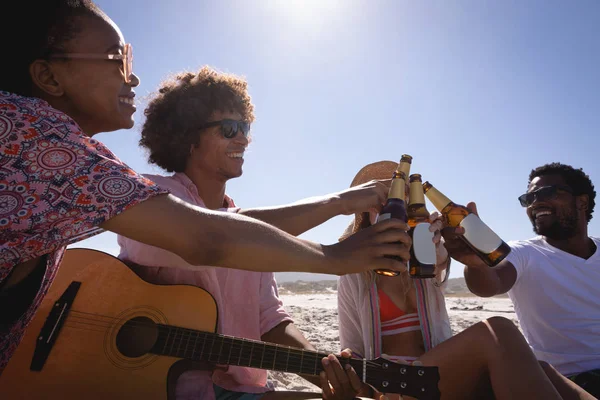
{"x": 226, "y": 350}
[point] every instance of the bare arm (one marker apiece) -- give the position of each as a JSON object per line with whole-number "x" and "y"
{"x": 486, "y": 282}
{"x": 205, "y": 237}
{"x": 299, "y": 217}
{"x": 287, "y": 334}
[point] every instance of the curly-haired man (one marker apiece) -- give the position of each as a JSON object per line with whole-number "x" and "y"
{"x": 552, "y": 279}
{"x": 197, "y": 126}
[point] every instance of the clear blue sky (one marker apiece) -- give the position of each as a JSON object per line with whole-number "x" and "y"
{"x": 478, "y": 92}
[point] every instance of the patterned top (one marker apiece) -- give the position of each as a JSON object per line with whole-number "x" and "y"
{"x": 56, "y": 187}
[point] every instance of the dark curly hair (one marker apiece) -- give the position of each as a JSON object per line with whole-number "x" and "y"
{"x": 575, "y": 178}
{"x": 49, "y": 25}
{"x": 184, "y": 102}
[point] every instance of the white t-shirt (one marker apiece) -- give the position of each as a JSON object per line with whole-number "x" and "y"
{"x": 557, "y": 300}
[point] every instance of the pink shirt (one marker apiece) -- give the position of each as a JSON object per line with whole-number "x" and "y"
{"x": 247, "y": 301}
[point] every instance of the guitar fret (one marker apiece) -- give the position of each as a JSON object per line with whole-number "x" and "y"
{"x": 241, "y": 351}
{"x": 180, "y": 340}
{"x": 211, "y": 348}
{"x": 173, "y": 342}
{"x": 194, "y": 347}
{"x": 230, "y": 348}
{"x": 251, "y": 351}
{"x": 166, "y": 340}
{"x": 364, "y": 361}
{"x": 220, "y": 349}
{"x": 287, "y": 361}
{"x": 203, "y": 344}
{"x": 263, "y": 354}
{"x": 229, "y": 355}
{"x": 189, "y": 336}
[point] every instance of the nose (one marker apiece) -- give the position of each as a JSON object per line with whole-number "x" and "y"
{"x": 240, "y": 138}
{"x": 135, "y": 80}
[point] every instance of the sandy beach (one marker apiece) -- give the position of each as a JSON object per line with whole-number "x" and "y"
{"x": 316, "y": 316}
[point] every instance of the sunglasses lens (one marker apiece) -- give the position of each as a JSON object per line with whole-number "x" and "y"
{"x": 546, "y": 193}
{"x": 525, "y": 199}
{"x": 542, "y": 194}
{"x": 128, "y": 62}
{"x": 229, "y": 129}
{"x": 245, "y": 128}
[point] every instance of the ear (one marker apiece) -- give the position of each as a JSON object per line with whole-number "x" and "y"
{"x": 44, "y": 77}
{"x": 582, "y": 202}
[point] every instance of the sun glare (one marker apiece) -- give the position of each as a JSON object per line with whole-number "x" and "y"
{"x": 306, "y": 11}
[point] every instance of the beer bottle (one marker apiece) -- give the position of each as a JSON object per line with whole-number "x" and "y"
{"x": 422, "y": 252}
{"x": 478, "y": 236}
{"x": 394, "y": 207}
{"x": 404, "y": 166}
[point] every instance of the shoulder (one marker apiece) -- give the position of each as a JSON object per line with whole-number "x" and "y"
{"x": 523, "y": 245}
{"x": 352, "y": 284}
{"x": 33, "y": 118}
{"x": 162, "y": 180}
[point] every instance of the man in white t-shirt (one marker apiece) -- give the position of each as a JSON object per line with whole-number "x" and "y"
{"x": 552, "y": 279}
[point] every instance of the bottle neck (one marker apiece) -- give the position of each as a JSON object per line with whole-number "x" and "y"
{"x": 416, "y": 195}
{"x": 404, "y": 167}
{"x": 437, "y": 198}
{"x": 397, "y": 189}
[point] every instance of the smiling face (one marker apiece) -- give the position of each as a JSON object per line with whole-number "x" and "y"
{"x": 93, "y": 91}
{"x": 216, "y": 155}
{"x": 556, "y": 217}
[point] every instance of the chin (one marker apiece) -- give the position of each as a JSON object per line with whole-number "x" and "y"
{"x": 123, "y": 124}
{"x": 556, "y": 232}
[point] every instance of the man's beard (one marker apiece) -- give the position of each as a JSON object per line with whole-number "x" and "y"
{"x": 565, "y": 226}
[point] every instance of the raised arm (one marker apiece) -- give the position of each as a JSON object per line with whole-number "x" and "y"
{"x": 299, "y": 217}
{"x": 205, "y": 237}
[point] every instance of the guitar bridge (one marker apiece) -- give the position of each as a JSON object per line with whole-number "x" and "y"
{"x": 52, "y": 326}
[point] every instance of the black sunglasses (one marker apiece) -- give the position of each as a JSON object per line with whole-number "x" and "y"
{"x": 229, "y": 127}
{"x": 543, "y": 193}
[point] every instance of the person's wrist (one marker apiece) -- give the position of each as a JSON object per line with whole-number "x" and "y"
{"x": 330, "y": 263}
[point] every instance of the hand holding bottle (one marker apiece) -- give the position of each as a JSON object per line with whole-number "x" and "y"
{"x": 436, "y": 226}
{"x": 480, "y": 238}
{"x": 457, "y": 248}
{"x": 385, "y": 245}
{"x": 363, "y": 198}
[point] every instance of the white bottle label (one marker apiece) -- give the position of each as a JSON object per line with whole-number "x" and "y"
{"x": 383, "y": 217}
{"x": 423, "y": 245}
{"x": 479, "y": 234}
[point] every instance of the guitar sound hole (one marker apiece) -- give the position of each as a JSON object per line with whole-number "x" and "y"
{"x": 137, "y": 336}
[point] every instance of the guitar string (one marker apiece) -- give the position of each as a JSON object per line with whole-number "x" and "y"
{"x": 183, "y": 334}
{"x": 374, "y": 371}
{"x": 306, "y": 364}
{"x": 186, "y": 334}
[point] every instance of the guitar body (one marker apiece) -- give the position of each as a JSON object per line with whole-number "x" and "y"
{"x": 84, "y": 361}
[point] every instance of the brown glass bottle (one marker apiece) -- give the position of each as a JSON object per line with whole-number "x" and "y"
{"x": 404, "y": 165}
{"x": 478, "y": 236}
{"x": 422, "y": 252}
{"x": 395, "y": 207}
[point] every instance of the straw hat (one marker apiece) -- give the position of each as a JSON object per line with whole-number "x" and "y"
{"x": 376, "y": 170}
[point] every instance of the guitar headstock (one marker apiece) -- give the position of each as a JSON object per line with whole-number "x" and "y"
{"x": 389, "y": 377}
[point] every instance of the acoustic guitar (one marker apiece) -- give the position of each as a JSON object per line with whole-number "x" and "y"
{"x": 104, "y": 333}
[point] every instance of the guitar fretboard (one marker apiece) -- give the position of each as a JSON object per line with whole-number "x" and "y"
{"x": 222, "y": 349}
